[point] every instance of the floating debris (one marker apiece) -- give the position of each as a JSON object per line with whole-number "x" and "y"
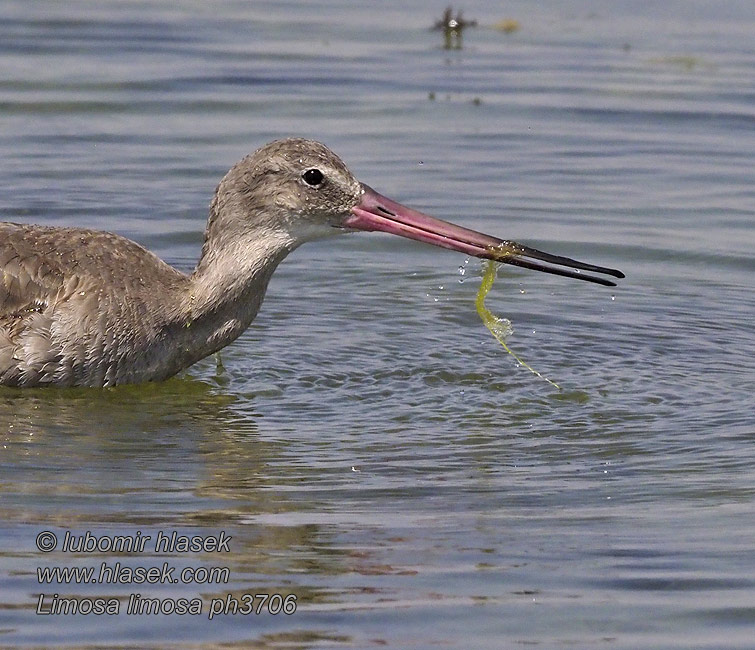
{"x": 507, "y": 26}
{"x": 452, "y": 28}
{"x": 685, "y": 62}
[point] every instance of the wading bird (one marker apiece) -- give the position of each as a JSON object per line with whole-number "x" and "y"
{"x": 89, "y": 308}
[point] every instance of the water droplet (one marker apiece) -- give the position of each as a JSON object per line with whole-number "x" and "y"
{"x": 463, "y": 270}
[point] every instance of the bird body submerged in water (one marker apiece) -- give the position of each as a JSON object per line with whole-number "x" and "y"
{"x": 88, "y": 308}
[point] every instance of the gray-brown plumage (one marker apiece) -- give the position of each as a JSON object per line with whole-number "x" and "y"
{"x": 87, "y": 308}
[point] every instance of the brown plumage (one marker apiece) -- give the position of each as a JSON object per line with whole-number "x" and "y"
{"x": 88, "y": 308}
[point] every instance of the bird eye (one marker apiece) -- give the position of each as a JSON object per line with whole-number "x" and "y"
{"x": 312, "y": 177}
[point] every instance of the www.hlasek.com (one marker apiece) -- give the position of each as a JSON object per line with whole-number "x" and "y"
{"x": 118, "y": 573}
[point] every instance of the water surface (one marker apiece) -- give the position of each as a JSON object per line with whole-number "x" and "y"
{"x": 368, "y": 445}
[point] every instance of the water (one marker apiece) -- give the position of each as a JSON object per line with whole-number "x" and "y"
{"x": 369, "y": 446}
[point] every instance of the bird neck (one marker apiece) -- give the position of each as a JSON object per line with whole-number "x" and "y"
{"x": 228, "y": 285}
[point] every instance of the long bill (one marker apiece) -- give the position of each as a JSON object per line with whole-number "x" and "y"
{"x": 379, "y": 213}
